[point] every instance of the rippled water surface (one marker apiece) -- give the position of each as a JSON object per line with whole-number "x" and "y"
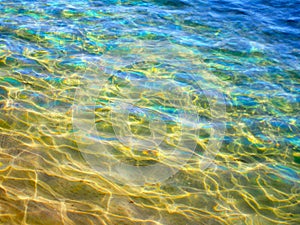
{"x": 149, "y": 112}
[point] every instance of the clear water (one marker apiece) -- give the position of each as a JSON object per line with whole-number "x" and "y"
{"x": 149, "y": 112}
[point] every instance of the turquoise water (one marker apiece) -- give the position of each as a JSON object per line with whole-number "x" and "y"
{"x": 149, "y": 112}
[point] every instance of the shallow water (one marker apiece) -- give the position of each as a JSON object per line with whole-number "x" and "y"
{"x": 148, "y": 112}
